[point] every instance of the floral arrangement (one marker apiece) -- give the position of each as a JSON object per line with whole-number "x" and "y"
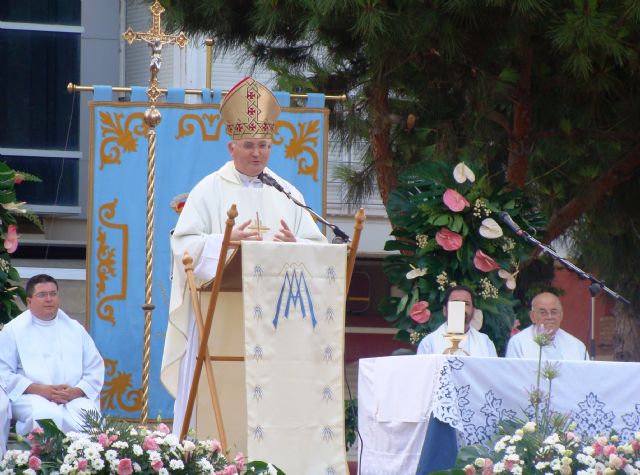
{"x": 10, "y": 208}
{"x": 445, "y": 227}
{"x": 123, "y": 449}
{"x": 562, "y": 452}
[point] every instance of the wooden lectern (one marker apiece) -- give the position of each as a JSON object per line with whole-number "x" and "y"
{"x": 229, "y": 349}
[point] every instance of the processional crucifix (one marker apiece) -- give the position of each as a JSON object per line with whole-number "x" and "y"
{"x": 155, "y": 38}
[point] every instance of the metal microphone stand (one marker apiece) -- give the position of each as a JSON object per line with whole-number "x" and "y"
{"x": 340, "y": 235}
{"x": 595, "y": 288}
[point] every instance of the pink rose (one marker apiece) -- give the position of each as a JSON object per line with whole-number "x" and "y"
{"x": 34, "y": 462}
{"x": 610, "y": 449}
{"x": 164, "y": 428}
{"x": 150, "y": 443}
{"x": 419, "y": 312}
{"x": 448, "y": 240}
{"x": 230, "y": 470}
{"x": 11, "y": 241}
{"x": 216, "y": 446}
{"x": 103, "y": 439}
{"x": 82, "y": 464}
{"x": 484, "y": 262}
{"x": 125, "y": 467}
{"x": 17, "y": 179}
{"x": 240, "y": 461}
{"x": 156, "y": 465}
{"x": 454, "y": 200}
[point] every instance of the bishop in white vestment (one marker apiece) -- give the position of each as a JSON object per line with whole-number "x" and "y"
{"x": 49, "y": 366}
{"x": 474, "y": 343}
{"x": 264, "y": 213}
{"x": 546, "y": 315}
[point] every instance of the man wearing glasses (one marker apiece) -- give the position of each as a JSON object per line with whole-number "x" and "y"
{"x": 249, "y": 112}
{"x": 49, "y": 366}
{"x": 557, "y": 344}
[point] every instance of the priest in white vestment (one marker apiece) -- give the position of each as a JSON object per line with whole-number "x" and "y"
{"x": 250, "y": 111}
{"x": 5, "y": 418}
{"x": 474, "y": 343}
{"x": 49, "y": 366}
{"x": 546, "y": 315}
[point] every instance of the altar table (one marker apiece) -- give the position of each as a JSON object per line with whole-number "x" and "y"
{"x": 397, "y": 395}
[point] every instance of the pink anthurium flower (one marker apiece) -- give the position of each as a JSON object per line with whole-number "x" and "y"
{"x": 420, "y": 312}
{"x": 484, "y": 262}
{"x": 11, "y": 241}
{"x": 454, "y": 200}
{"x": 448, "y": 240}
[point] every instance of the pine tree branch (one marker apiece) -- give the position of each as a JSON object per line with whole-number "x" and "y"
{"x": 619, "y": 172}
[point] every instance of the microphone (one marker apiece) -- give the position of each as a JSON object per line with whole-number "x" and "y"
{"x": 511, "y": 224}
{"x": 267, "y": 179}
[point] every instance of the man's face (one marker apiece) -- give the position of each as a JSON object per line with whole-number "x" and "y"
{"x": 546, "y": 310}
{"x": 463, "y": 296}
{"x": 250, "y": 156}
{"x": 45, "y": 301}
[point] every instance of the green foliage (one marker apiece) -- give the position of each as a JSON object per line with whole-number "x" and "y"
{"x": 419, "y": 214}
{"x": 350, "y": 421}
{"x": 10, "y": 210}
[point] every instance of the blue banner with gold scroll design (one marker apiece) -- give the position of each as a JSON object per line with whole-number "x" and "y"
{"x": 190, "y": 144}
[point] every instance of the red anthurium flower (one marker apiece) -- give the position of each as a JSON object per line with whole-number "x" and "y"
{"x": 420, "y": 312}
{"x": 484, "y": 262}
{"x": 11, "y": 241}
{"x": 448, "y": 240}
{"x": 454, "y": 200}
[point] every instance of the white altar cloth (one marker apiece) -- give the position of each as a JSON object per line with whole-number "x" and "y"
{"x": 396, "y": 396}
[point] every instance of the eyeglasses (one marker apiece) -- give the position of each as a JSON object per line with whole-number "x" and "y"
{"x": 251, "y": 146}
{"x": 43, "y": 295}
{"x": 545, "y": 313}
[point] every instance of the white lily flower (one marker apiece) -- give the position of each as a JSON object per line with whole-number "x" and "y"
{"x": 509, "y": 278}
{"x": 415, "y": 272}
{"x": 490, "y": 229}
{"x": 462, "y": 173}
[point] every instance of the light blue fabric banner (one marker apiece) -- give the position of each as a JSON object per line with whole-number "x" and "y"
{"x": 191, "y": 143}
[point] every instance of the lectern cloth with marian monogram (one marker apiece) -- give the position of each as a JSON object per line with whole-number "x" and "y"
{"x": 294, "y": 301}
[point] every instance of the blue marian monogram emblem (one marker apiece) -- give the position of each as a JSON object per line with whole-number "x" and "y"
{"x": 294, "y": 291}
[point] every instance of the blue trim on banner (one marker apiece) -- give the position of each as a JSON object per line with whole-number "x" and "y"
{"x": 138, "y": 94}
{"x": 175, "y": 94}
{"x": 206, "y": 96}
{"x": 102, "y": 93}
{"x": 217, "y": 96}
{"x": 315, "y": 100}
{"x": 284, "y": 99}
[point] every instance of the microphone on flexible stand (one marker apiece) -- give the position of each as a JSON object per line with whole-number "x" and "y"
{"x": 511, "y": 224}
{"x": 340, "y": 235}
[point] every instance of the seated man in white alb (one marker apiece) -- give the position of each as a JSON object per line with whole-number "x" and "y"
{"x": 475, "y": 343}
{"x": 49, "y": 366}
{"x": 5, "y": 418}
{"x": 546, "y": 315}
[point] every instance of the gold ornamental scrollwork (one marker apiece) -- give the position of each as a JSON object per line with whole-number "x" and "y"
{"x": 107, "y": 259}
{"x": 119, "y": 138}
{"x": 186, "y": 127}
{"x": 299, "y": 147}
{"x": 116, "y": 390}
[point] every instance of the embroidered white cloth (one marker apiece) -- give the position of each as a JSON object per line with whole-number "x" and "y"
{"x": 294, "y": 301}
{"x": 473, "y": 394}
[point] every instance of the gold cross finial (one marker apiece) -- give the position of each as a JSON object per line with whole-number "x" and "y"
{"x": 155, "y": 38}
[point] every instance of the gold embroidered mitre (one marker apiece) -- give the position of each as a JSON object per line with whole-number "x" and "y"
{"x": 250, "y": 110}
